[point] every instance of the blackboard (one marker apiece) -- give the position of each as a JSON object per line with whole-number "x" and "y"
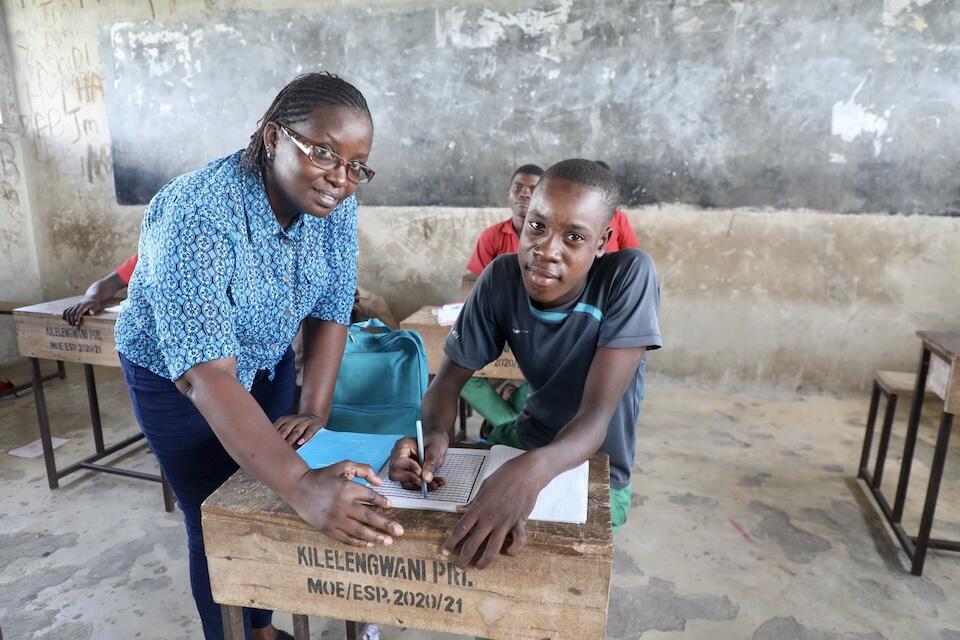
{"x": 849, "y": 107}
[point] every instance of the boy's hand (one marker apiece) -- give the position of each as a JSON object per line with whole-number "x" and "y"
{"x": 329, "y": 500}
{"x": 405, "y": 463}
{"x": 500, "y": 508}
{"x": 298, "y": 428}
{"x": 74, "y": 314}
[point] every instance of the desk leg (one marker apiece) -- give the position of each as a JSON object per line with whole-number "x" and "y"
{"x": 61, "y": 371}
{"x": 354, "y": 629}
{"x": 884, "y": 440}
{"x": 44, "y": 422}
{"x": 94, "y": 403}
{"x": 301, "y": 627}
{"x": 232, "y": 622}
{"x": 933, "y": 490}
{"x": 462, "y": 436}
{"x": 910, "y": 441}
{"x": 871, "y": 421}
{"x": 169, "y": 500}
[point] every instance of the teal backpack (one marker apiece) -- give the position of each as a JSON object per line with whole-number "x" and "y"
{"x": 381, "y": 383}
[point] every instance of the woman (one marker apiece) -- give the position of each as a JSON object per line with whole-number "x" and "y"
{"x": 232, "y": 258}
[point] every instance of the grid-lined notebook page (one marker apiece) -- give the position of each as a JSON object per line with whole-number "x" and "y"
{"x": 461, "y": 469}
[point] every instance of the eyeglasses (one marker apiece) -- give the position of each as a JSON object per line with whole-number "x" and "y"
{"x": 326, "y": 159}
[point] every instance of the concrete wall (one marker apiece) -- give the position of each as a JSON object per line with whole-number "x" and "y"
{"x": 788, "y": 297}
{"x": 19, "y": 273}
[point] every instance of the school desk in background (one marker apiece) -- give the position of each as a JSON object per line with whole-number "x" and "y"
{"x": 425, "y": 322}
{"x": 42, "y": 333}
{"x": 8, "y": 388}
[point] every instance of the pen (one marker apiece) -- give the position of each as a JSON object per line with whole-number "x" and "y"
{"x": 423, "y": 485}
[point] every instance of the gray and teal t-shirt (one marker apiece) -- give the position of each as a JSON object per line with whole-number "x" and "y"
{"x": 618, "y": 308}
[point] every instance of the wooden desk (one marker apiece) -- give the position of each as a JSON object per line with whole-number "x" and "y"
{"x": 6, "y": 309}
{"x": 939, "y": 372}
{"x": 43, "y": 333}
{"x": 261, "y": 554}
{"x": 425, "y": 323}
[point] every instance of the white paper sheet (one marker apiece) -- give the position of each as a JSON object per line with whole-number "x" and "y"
{"x": 35, "y": 448}
{"x": 448, "y": 313}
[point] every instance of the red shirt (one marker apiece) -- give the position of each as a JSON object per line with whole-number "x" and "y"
{"x": 496, "y": 240}
{"x": 623, "y": 236}
{"x": 502, "y": 238}
{"x": 125, "y": 270}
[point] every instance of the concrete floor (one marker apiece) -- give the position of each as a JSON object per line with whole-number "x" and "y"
{"x": 747, "y": 523}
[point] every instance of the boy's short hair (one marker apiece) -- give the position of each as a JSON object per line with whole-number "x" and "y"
{"x": 603, "y": 164}
{"x": 589, "y": 174}
{"x": 532, "y": 169}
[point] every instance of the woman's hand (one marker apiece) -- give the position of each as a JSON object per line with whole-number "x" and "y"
{"x": 86, "y": 306}
{"x": 298, "y": 428}
{"x": 405, "y": 463}
{"x": 331, "y": 501}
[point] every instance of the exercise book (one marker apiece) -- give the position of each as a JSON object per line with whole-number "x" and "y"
{"x": 563, "y": 500}
{"x": 330, "y": 447}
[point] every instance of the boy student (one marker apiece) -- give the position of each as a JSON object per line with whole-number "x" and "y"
{"x": 579, "y": 322}
{"x": 503, "y": 238}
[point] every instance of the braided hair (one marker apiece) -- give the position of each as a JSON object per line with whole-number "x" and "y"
{"x": 296, "y": 102}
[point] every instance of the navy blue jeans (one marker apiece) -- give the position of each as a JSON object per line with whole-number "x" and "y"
{"x": 196, "y": 464}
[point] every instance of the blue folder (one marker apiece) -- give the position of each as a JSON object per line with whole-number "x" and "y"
{"x": 329, "y": 447}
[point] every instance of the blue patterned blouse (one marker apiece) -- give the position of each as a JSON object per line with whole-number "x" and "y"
{"x": 218, "y": 277}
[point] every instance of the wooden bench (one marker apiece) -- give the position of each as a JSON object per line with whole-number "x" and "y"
{"x": 892, "y": 385}
{"x": 938, "y": 376}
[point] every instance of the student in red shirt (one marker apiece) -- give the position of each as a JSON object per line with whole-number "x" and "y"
{"x": 504, "y": 237}
{"x": 623, "y": 236}
{"x": 100, "y": 291}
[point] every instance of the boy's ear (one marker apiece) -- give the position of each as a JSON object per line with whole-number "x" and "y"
{"x": 604, "y": 239}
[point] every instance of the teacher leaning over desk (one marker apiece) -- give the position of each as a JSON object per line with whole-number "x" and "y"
{"x": 232, "y": 258}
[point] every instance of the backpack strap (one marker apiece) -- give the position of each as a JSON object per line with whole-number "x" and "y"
{"x": 372, "y": 323}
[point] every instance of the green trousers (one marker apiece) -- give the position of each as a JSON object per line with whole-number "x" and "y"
{"x": 480, "y": 394}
